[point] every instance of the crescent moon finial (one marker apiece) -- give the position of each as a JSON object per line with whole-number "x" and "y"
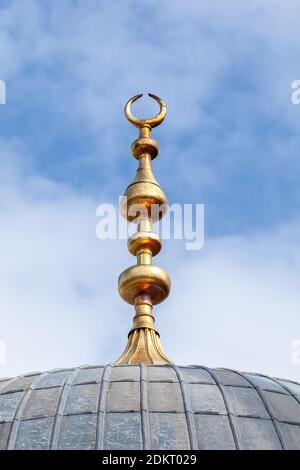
{"x": 151, "y": 122}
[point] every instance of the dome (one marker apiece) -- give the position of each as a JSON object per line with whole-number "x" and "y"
{"x": 148, "y": 407}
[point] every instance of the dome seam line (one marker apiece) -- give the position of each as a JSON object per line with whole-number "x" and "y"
{"x": 66, "y": 388}
{"x": 19, "y": 411}
{"x": 268, "y": 409}
{"x": 188, "y": 414}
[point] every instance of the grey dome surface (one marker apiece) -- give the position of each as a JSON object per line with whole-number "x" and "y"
{"x": 148, "y": 407}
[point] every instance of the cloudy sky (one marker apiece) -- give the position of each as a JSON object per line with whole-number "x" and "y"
{"x": 231, "y": 141}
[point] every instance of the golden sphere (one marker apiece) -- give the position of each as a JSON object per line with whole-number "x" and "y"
{"x": 144, "y": 279}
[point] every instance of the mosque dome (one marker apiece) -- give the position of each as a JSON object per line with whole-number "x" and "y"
{"x": 148, "y": 407}
{"x": 144, "y": 401}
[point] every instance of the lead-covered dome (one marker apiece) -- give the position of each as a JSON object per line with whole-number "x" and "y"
{"x": 149, "y": 407}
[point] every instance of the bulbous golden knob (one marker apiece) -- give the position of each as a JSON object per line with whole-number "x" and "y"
{"x": 144, "y": 241}
{"x": 145, "y": 199}
{"x": 143, "y": 279}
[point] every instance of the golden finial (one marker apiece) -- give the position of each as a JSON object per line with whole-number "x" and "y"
{"x": 144, "y": 284}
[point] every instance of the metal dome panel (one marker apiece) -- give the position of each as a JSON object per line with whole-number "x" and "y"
{"x": 149, "y": 407}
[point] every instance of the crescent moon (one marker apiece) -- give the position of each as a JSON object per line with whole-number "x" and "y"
{"x": 151, "y": 122}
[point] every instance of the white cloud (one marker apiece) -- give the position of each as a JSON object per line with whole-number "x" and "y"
{"x": 106, "y": 52}
{"x": 58, "y": 281}
{"x": 222, "y": 67}
{"x": 237, "y": 303}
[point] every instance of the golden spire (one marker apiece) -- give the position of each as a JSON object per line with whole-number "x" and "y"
{"x": 144, "y": 284}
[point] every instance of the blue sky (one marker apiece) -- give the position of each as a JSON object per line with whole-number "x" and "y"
{"x": 230, "y": 141}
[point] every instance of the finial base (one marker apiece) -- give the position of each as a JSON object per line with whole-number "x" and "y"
{"x": 143, "y": 347}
